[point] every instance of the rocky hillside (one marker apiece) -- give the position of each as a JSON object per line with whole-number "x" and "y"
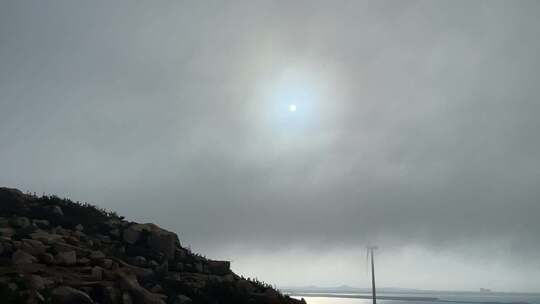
{"x": 54, "y": 250}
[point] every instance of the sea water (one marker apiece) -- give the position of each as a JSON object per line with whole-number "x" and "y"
{"x": 443, "y": 298}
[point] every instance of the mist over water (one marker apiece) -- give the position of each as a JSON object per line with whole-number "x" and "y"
{"x": 443, "y": 297}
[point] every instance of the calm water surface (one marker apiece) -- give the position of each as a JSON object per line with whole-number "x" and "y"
{"x": 449, "y": 298}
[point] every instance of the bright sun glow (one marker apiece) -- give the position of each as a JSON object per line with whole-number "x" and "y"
{"x": 294, "y": 99}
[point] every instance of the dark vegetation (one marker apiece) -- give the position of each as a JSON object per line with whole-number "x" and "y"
{"x": 45, "y": 207}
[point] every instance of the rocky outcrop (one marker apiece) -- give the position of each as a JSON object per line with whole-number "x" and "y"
{"x": 21, "y": 257}
{"x": 69, "y": 295}
{"x": 157, "y": 239}
{"x": 53, "y": 250}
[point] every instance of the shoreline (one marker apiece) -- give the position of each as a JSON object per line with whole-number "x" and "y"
{"x": 392, "y": 298}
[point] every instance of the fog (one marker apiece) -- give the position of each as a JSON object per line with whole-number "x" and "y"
{"x": 416, "y": 129}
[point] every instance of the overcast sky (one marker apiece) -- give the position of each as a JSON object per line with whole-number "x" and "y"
{"x": 416, "y": 129}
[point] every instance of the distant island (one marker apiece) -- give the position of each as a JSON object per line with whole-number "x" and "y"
{"x": 54, "y": 250}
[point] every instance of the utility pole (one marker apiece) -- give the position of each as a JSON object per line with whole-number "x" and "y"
{"x": 373, "y": 293}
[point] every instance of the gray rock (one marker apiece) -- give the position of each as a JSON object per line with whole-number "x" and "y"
{"x": 157, "y": 289}
{"x": 34, "y": 247}
{"x": 126, "y": 298}
{"x": 159, "y": 239}
{"x": 219, "y": 267}
{"x": 103, "y": 238}
{"x": 86, "y": 289}
{"x": 4, "y": 222}
{"x": 81, "y": 235}
{"x": 45, "y": 237}
{"x": 139, "y": 261}
{"x": 107, "y": 263}
{"x": 12, "y": 287}
{"x": 19, "y": 222}
{"x": 115, "y": 233}
{"x": 180, "y": 253}
{"x": 62, "y": 231}
{"x": 229, "y": 278}
{"x": 97, "y": 273}
{"x": 96, "y": 255}
{"x": 162, "y": 269}
{"x": 112, "y": 223}
{"x": 33, "y": 297}
{"x": 112, "y": 295}
{"x": 79, "y": 227}
{"x": 8, "y": 248}
{"x": 41, "y": 223}
{"x": 163, "y": 241}
{"x": 132, "y": 233}
{"x": 140, "y": 295}
{"x": 244, "y": 285}
{"x": 7, "y": 232}
{"x": 46, "y": 258}
{"x": 12, "y": 196}
{"x": 69, "y": 295}
{"x": 34, "y": 282}
{"x": 72, "y": 240}
{"x": 182, "y": 299}
{"x": 66, "y": 258}
{"x": 57, "y": 210}
{"x": 20, "y": 257}
{"x": 63, "y": 247}
{"x": 179, "y": 267}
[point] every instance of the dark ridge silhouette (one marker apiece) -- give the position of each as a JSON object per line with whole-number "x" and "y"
{"x": 54, "y": 250}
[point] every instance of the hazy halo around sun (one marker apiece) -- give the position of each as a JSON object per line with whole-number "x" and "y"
{"x": 292, "y": 99}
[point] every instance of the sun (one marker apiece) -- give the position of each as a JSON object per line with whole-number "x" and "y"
{"x": 292, "y": 108}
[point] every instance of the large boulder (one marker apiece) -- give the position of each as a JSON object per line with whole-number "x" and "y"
{"x": 66, "y": 258}
{"x": 41, "y": 223}
{"x": 56, "y": 210}
{"x": 45, "y": 237}
{"x": 219, "y": 267}
{"x": 132, "y": 234}
{"x": 12, "y": 199}
{"x": 34, "y": 247}
{"x": 4, "y": 222}
{"x": 21, "y": 257}
{"x": 182, "y": 299}
{"x": 69, "y": 295}
{"x": 7, "y": 232}
{"x": 46, "y": 258}
{"x": 139, "y": 294}
{"x": 19, "y": 222}
{"x": 97, "y": 273}
{"x": 32, "y": 296}
{"x": 34, "y": 282}
{"x": 163, "y": 241}
{"x": 96, "y": 255}
{"x": 112, "y": 295}
{"x": 126, "y": 298}
{"x": 154, "y": 237}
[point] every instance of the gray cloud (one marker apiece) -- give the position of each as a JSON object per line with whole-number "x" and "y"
{"x": 423, "y": 133}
